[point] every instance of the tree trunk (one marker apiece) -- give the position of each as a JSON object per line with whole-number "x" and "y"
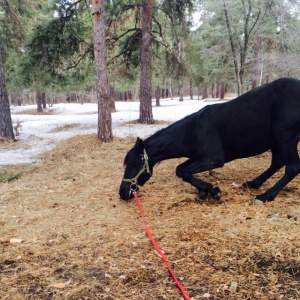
{"x": 240, "y": 84}
{"x": 180, "y": 91}
{"x": 191, "y": 89}
{"x": 218, "y": 91}
{"x": 39, "y": 101}
{"x": 6, "y": 128}
{"x": 205, "y": 92}
{"x": 170, "y": 88}
{"x": 222, "y": 91}
{"x": 146, "y": 116}
{"x": 233, "y": 49}
{"x": 237, "y": 68}
{"x": 130, "y": 95}
{"x": 157, "y": 96}
{"x": 213, "y": 90}
{"x": 44, "y": 100}
{"x": 102, "y": 86}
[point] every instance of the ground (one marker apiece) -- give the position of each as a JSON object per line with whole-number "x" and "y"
{"x": 65, "y": 234}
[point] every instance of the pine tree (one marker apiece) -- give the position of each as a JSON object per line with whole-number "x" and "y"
{"x": 146, "y": 115}
{"x": 103, "y": 94}
{"x": 6, "y": 128}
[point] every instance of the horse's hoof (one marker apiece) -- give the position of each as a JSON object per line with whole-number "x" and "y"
{"x": 215, "y": 193}
{"x": 257, "y": 202}
{"x": 217, "y": 196}
{"x": 202, "y": 195}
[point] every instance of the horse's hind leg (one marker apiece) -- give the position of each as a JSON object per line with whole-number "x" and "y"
{"x": 190, "y": 167}
{"x": 292, "y": 169}
{"x": 276, "y": 164}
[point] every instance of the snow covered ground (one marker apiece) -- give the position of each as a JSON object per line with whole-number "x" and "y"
{"x": 40, "y": 133}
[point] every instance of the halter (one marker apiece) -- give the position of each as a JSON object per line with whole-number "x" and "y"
{"x": 134, "y": 186}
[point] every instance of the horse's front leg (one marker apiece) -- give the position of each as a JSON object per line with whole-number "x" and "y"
{"x": 190, "y": 167}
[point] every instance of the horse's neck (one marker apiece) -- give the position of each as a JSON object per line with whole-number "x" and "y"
{"x": 164, "y": 145}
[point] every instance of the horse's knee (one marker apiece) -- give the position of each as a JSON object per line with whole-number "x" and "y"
{"x": 183, "y": 175}
{"x": 292, "y": 170}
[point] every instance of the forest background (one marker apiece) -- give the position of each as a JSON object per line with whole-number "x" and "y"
{"x": 198, "y": 48}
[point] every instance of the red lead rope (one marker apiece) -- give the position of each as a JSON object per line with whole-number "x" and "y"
{"x": 183, "y": 292}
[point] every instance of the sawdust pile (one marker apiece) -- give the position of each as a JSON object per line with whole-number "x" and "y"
{"x": 66, "y": 235}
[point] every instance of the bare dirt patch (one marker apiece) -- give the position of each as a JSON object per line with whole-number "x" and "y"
{"x": 66, "y": 235}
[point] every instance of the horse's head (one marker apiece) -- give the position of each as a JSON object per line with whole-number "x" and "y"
{"x": 137, "y": 170}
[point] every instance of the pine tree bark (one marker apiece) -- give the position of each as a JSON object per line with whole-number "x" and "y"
{"x": 222, "y": 91}
{"x": 44, "y": 102}
{"x": 146, "y": 116}
{"x": 191, "y": 89}
{"x": 205, "y": 92}
{"x": 39, "y": 101}
{"x": 6, "y": 128}
{"x": 102, "y": 86}
{"x": 157, "y": 95}
{"x": 213, "y": 90}
{"x": 180, "y": 91}
{"x": 218, "y": 90}
{"x": 170, "y": 89}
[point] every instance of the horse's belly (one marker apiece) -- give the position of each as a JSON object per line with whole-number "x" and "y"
{"x": 242, "y": 148}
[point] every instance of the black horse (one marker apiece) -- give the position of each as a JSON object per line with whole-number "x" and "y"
{"x": 266, "y": 118}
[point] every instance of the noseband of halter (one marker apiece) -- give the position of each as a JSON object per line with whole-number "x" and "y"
{"x": 134, "y": 186}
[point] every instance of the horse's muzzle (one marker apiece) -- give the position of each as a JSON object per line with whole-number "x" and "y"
{"x": 125, "y": 191}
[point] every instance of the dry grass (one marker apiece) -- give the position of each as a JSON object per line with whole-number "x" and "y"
{"x": 34, "y": 112}
{"x": 77, "y": 240}
{"x": 64, "y": 127}
{"x": 156, "y": 122}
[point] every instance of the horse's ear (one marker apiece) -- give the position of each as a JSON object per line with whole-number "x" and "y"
{"x": 139, "y": 144}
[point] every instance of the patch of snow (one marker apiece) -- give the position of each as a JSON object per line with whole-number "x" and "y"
{"x": 40, "y": 133}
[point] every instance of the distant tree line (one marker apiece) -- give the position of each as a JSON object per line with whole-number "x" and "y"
{"x": 48, "y": 48}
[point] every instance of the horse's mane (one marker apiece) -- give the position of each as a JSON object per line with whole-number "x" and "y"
{"x": 174, "y": 124}
{"x": 125, "y": 160}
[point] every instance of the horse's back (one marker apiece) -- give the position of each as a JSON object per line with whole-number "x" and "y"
{"x": 253, "y": 122}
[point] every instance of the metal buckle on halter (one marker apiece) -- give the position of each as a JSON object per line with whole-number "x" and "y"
{"x": 134, "y": 185}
